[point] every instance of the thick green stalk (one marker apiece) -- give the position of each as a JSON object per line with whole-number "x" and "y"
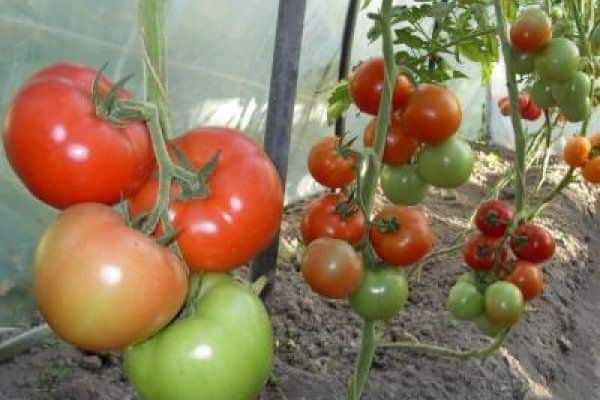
{"x": 513, "y": 90}
{"x": 363, "y": 366}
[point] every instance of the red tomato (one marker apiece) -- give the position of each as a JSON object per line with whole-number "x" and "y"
{"x": 532, "y": 112}
{"x": 366, "y": 86}
{"x": 528, "y": 278}
{"x": 62, "y": 151}
{"x": 243, "y": 211}
{"x": 493, "y": 217}
{"x": 399, "y": 146}
{"x": 331, "y": 216}
{"x": 408, "y": 243}
{"x": 533, "y": 243}
{"x": 332, "y": 268}
{"x": 101, "y": 285}
{"x": 531, "y": 31}
{"x": 504, "y": 106}
{"x": 527, "y": 109}
{"x": 330, "y": 168}
{"x": 480, "y": 252}
{"x": 432, "y": 114}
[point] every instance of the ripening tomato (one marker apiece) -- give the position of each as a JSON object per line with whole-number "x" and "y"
{"x": 533, "y": 243}
{"x": 399, "y": 146}
{"x": 401, "y": 236}
{"x": 242, "y": 212}
{"x": 529, "y": 279}
{"x": 366, "y": 86}
{"x": 62, "y": 151}
{"x": 591, "y": 171}
{"x": 464, "y": 301}
{"x": 531, "y": 31}
{"x": 332, "y": 268}
{"x": 480, "y": 252}
{"x": 432, "y": 114}
{"x": 328, "y": 166}
{"x": 101, "y": 285}
{"x": 381, "y": 295}
{"x": 493, "y": 217}
{"x": 576, "y": 151}
{"x": 503, "y": 303}
{"x": 559, "y": 61}
{"x": 504, "y": 106}
{"x": 332, "y": 216}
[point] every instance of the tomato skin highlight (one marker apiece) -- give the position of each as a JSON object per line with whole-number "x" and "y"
{"x": 366, "y": 86}
{"x": 432, "y": 115}
{"x": 62, "y": 151}
{"x": 101, "y": 285}
{"x": 409, "y": 243}
{"x": 533, "y": 243}
{"x": 320, "y": 219}
{"x": 332, "y": 268}
{"x": 503, "y": 303}
{"x": 242, "y": 212}
{"x": 493, "y": 217}
{"x": 531, "y": 31}
{"x": 399, "y": 145}
{"x": 528, "y": 278}
{"x": 381, "y": 295}
{"x": 328, "y": 167}
{"x": 480, "y": 252}
{"x": 223, "y": 351}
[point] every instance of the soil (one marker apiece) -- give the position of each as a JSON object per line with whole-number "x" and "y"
{"x": 553, "y": 353}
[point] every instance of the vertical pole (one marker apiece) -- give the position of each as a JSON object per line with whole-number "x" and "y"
{"x": 280, "y": 114}
{"x": 346, "y": 55}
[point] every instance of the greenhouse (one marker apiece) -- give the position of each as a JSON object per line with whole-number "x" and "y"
{"x": 298, "y": 199}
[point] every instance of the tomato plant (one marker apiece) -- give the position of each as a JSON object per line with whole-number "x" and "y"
{"x": 332, "y": 268}
{"x": 235, "y": 220}
{"x": 493, "y": 217}
{"x": 366, "y": 85}
{"x": 503, "y": 303}
{"x": 531, "y": 31}
{"x": 329, "y": 166}
{"x": 92, "y": 282}
{"x": 399, "y": 145}
{"x": 465, "y": 302}
{"x": 533, "y": 243}
{"x": 63, "y": 148}
{"x": 401, "y": 235}
{"x": 432, "y": 115}
{"x": 222, "y": 351}
{"x": 403, "y": 185}
{"x": 381, "y": 295}
{"x": 332, "y": 215}
{"x": 528, "y": 278}
{"x": 447, "y": 165}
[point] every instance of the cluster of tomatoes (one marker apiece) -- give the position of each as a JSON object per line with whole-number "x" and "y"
{"x": 581, "y": 152}
{"x": 103, "y": 285}
{"x": 493, "y": 294}
{"x": 555, "y": 62}
{"x": 527, "y": 108}
{"x": 420, "y": 149}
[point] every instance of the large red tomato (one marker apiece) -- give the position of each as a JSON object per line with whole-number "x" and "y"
{"x": 401, "y": 235}
{"x": 366, "y": 86}
{"x": 399, "y": 145}
{"x": 102, "y": 285}
{"x": 241, "y": 214}
{"x": 432, "y": 114}
{"x": 62, "y": 151}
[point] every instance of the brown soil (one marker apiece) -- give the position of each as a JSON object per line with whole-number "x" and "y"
{"x": 553, "y": 353}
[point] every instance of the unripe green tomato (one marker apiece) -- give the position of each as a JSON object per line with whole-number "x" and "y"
{"x": 403, "y": 185}
{"x": 557, "y": 12}
{"x": 487, "y": 327}
{"x": 467, "y": 277}
{"x": 541, "y": 94}
{"x": 559, "y": 61}
{"x": 446, "y": 165}
{"x": 504, "y": 303}
{"x": 578, "y": 110}
{"x": 381, "y": 295}
{"x": 522, "y": 63}
{"x": 572, "y": 97}
{"x": 464, "y": 301}
{"x": 222, "y": 351}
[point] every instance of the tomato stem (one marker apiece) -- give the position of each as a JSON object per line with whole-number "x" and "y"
{"x": 364, "y": 361}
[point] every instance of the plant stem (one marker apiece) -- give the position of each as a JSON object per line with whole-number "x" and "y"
{"x": 346, "y": 55}
{"x": 513, "y": 90}
{"x": 17, "y": 344}
{"x": 363, "y": 365}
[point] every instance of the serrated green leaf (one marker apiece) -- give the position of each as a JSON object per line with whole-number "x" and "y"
{"x": 338, "y": 102}
{"x": 407, "y": 37}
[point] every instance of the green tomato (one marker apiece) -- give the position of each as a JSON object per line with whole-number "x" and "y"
{"x": 403, "y": 185}
{"x": 447, "y": 165}
{"x": 467, "y": 277}
{"x": 488, "y": 327}
{"x": 541, "y": 94}
{"x": 223, "y": 351}
{"x": 464, "y": 301}
{"x": 503, "y": 303}
{"x": 558, "y": 61}
{"x": 381, "y": 295}
{"x": 574, "y": 89}
{"x": 577, "y": 111}
{"x": 557, "y": 12}
{"x": 522, "y": 63}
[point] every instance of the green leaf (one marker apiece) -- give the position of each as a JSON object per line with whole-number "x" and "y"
{"x": 407, "y": 37}
{"x": 338, "y": 102}
{"x": 366, "y": 4}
